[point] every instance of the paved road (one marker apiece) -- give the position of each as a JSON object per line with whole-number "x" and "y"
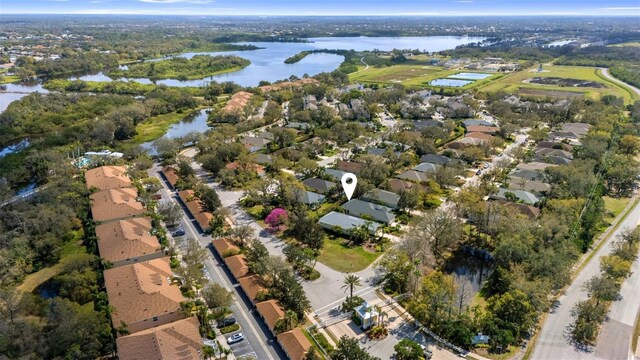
{"x": 606, "y": 74}
{"x": 613, "y": 342}
{"x": 259, "y": 339}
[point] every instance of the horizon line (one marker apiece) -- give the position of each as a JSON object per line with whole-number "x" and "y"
{"x": 330, "y": 15}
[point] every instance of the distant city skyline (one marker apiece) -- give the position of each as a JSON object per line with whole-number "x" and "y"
{"x": 327, "y": 7}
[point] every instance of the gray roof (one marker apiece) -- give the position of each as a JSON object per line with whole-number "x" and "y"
{"x": 535, "y": 187}
{"x": 579, "y": 129}
{"x": 385, "y": 197}
{"x": 477, "y": 122}
{"x": 308, "y": 197}
{"x": 345, "y": 222}
{"x": 534, "y": 166}
{"x": 524, "y": 196}
{"x": 413, "y": 175}
{"x": 532, "y": 175}
{"x": 335, "y": 174}
{"x": 436, "y": 159}
{"x": 376, "y": 212}
{"x": 421, "y": 124}
{"x": 263, "y": 159}
{"x": 425, "y": 167}
{"x": 320, "y": 185}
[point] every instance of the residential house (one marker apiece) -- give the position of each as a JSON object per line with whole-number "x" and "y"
{"x": 270, "y": 311}
{"x": 263, "y": 159}
{"x": 294, "y": 344}
{"x": 423, "y": 124}
{"x": 482, "y": 129}
{"x": 310, "y": 102}
{"x": 237, "y": 102}
{"x": 254, "y": 144}
{"x": 426, "y": 167}
{"x": 529, "y": 211}
{"x": 437, "y": 159}
{"x": 107, "y": 177}
{"x": 533, "y": 186}
{"x": 225, "y": 247}
{"x": 343, "y": 223}
{"x": 536, "y": 166}
{"x": 171, "y": 176}
{"x": 319, "y": 185}
{"x": 177, "y": 340}
{"x": 360, "y": 208}
{"x": 335, "y": 174}
{"x": 413, "y": 175}
{"x": 479, "y": 135}
{"x": 115, "y": 204}
{"x": 251, "y": 285}
{"x": 298, "y": 126}
{"x": 142, "y": 295}
{"x": 520, "y": 195}
{"x": 349, "y": 166}
{"x": 533, "y": 175}
{"x": 237, "y": 265}
{"x": 398, "y": 186}
{"x": 384, "y": 197}
{"x": 128, "y": 241}
{"x": 203, "y": 219}
{"x": 476, "y": 122}
{"x": 310, "y": 198}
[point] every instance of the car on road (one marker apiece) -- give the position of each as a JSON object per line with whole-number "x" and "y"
{"x": 478, "y": 172}
{"x": 178, "y": 232}
{"x": 486, "y": 165}
{"x": 235, "y": 338}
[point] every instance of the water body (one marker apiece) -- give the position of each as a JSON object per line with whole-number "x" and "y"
{"x": 16, "y": 91}
{"x": 469, "y": 76}
{"x": 13, "y": 148}
{"x": 450, "y": 82}
{"x": 560, "y": 42}
{"x": 191, "y": 123}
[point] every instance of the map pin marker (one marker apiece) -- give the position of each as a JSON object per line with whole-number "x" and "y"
{"x": 349, "y": 182}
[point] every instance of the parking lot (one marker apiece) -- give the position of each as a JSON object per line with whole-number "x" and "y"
{"x": 242, "y": 349}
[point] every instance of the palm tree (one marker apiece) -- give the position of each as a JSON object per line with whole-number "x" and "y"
{"x": 208, "y": 352}
{"x": 381, "y": 314}
{"x": 350, "y": 281}
{"x": 287, "y": 322}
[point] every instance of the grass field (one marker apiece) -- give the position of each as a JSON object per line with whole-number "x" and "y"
{"x": 32, "y": 281}
{"x": 515, "y": 83}
{"x": 613, "y": 207}
{"x": 414, "y": 74}
{"x": 631, "y": 43}
{"x": 9, "y": 79}
{"x": 338, "y": 256}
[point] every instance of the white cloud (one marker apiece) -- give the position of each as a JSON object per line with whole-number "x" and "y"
{"x": 621, "y": 8}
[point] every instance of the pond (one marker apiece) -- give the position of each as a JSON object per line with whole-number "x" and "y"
{"x": 191, "y": 123}
{"x": 450, "y": 82}
{"x": 469, "y": 76}
{"x": 13, "y": 148}
{"x": 16, "y": 91}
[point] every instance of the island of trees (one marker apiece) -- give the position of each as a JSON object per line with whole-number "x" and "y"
{"x": 198, "y": 67}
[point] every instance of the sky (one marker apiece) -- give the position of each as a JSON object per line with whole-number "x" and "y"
{"x": 326, "y": 7}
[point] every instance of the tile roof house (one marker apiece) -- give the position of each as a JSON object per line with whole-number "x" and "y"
{"x": 426, "y": 167}
{"x": 319, "y": 185}
{"x": 128, "y": 241}
{"x": 115, "y": 204}
{"x": 398, "y": 186}
{"x": 107, "y": 177}
{"x": 479, "y": 135}
{"x": 224, "y": 247}
{"x": 254, "y": 144}
{"x": 521, "y": 195}
{"x": 170, "y": 175}
{"x": 204, "y": 220}
{"x": 529, "y": 211}
{"x": 142, "y": 295}
{"x": 177, "y": 340}
{"x": 270, "y": 311}
{"x": 294, "y": 344}
{"x": 377, "y": 212}
{"x": 482, "y": 129}
{"x": 349, "y": 166}
{"x": 413, "y": 175}
{"x": 237, "y": 265}
{"x": 237, "y": 102}
{"x": 251, "y": 285}
{"x": 384, "y": 197}
{"x": 338, "y": 221}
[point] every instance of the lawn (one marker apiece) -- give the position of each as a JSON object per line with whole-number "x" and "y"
{"x": 9, "y": 79}
{"x": 338, "y": 256}
{"x": 630, "y": 43}
{"x": 613, "y": 207}
{"x": 516, "y": 82}
{"x": 32, "y": 281}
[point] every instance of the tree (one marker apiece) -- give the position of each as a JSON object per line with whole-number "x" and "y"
{"x": 350, "y": 281}
{"x": 348, "y": 349}
{"x": 283, "y": 137}
{"x": 602, "y": 288}
{"x": 615, "y": 267}
{"x": 305, "y": 229}
{"x": 515, "y": 311}
{"x": 408, "y": 349}
{"x": 184, "y": 168}
{"x": 409, "y": 199}
{"x": 464, "y": 291}
{"x": 217, "y": 296}
{"x": 276, "y": 217}
{"x": 439, "y": 229}
{"x": 170, "y": 211}
{"x": 256, "y": 253}
{"x": 191, "y": 270}
{"x": 166, "y": 148}
{"x": 397, "y": 267}
{"x": 208, "y": 196}
{"x": 243, "y": 234}
{"x": 287, "y": 322}
{"x": 588, "y": 315}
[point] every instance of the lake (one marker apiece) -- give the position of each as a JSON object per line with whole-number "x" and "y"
{"x": 190, "y": 123}
{"x": 450, "y": 82}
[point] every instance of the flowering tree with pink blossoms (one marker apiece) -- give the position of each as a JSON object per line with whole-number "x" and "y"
{"x": 276, "y": 218}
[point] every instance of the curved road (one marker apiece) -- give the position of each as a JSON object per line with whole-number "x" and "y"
{"x": 606, "y": 74}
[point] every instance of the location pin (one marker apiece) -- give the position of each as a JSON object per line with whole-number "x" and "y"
{"x": 349, "y": 182}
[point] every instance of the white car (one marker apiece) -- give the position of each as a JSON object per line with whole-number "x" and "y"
{"x": 235, "y": 338}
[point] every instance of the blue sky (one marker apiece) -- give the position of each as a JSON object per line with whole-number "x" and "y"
{"x": 326, "y": 7}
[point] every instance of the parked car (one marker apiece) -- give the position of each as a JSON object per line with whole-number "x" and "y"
{"x": 178, "y": 232}
{"x": 478, "y": 172}
{"x": 427, "y": 353}
{"x": 486, "y": 165}
{"x": 226, "y": 322}
{"x": 235, "y": 338}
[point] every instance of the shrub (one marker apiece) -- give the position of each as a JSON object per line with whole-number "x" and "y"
{"x": 351, "y": 303}
{"x": 378, "y": 332}
{"x": 230, "y": 328}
